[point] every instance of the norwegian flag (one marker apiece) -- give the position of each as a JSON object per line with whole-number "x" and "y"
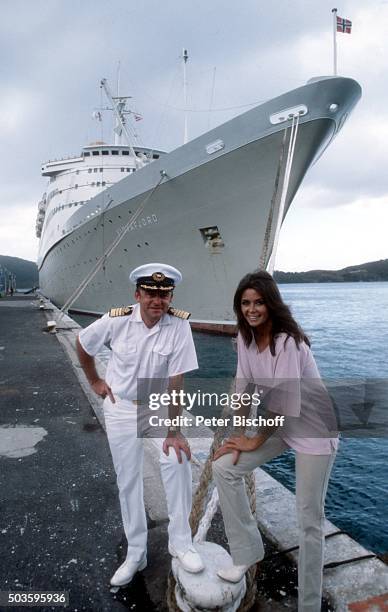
{"x": 344, "y": 25}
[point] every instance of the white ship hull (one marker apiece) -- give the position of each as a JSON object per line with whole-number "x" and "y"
{"x": 235, "y": 190}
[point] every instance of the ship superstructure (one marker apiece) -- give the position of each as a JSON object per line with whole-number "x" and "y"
{"x": 74, "y": 181}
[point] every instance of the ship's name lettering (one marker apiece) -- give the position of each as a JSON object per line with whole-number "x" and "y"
{"x": 139, "y": 223}
{"x": 144, "y": 221}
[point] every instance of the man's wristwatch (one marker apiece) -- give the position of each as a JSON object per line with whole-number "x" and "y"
{"x": 173, "y": 429}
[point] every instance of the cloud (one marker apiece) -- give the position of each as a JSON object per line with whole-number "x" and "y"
{"x": 55, "y": 53}
{"x": 353, "y": 166}
{"x": 17, "y": 232}
{"x": 327, "y": 238}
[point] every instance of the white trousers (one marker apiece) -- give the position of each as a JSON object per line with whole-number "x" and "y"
{"x": 127, "y": 454}
{"x": 246, "y": 546}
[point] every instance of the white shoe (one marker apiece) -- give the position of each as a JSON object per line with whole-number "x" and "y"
{"x": 126, "y": 572}
{"x": 233, "y": 573}
{"x": 189, "y": 559}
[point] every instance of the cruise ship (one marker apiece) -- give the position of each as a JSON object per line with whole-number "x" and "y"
{"x": 212, "y": 208}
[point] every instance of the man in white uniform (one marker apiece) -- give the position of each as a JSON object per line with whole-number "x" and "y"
{"x": 150, "y": 340}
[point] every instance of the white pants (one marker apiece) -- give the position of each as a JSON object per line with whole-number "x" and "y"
{"x": 127, "y": 454}
{"x": 246, "y": 546}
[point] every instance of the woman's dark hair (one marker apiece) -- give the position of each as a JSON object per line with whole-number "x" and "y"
{"x": 279, "y": 312}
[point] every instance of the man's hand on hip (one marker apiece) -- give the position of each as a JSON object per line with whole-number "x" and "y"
{"x": 103, "y": 389}
{"x": 179, "y": 443}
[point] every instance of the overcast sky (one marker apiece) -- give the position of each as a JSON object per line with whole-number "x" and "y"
{"x": 55, "y": 52}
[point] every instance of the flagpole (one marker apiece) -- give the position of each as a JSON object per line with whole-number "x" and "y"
{"x": 185, "y": 57}
{"x": 334, "y": 11}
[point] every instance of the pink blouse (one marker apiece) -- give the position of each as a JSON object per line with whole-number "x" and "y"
{"x": 289, "y": 384}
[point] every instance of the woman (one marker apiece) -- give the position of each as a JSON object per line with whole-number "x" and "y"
{"x": 275, "y": 355}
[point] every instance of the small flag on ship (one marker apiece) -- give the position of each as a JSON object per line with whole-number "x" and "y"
{"x": 138, "y": 117}
{"x": 344, "y": 25}
{"x": 339, "y": 25}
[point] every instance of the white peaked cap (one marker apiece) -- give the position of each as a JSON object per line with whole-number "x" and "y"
{"x": 156, "y": 273}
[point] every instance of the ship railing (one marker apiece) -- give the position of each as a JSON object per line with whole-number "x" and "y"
{"x": 59, "y": 159}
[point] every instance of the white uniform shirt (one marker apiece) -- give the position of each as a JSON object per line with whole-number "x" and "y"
{"x": 164, "y": 350}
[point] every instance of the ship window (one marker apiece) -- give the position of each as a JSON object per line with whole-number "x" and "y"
{"x": 115, "y": 152}
{"x": 86, "y": 154}
{"x": 124, "y": 152}
{"x": 155, "y": 157}
{"x": 77, "y": 171}
{"x": 95, "y": 169}
{"x": 76, "y": 186}
{"x": 100, "y": 169}
{"x": 103, "y": 183}
{"x": 212, "y": 238}
{"x": 122, "y": 169}
{"x": 96, "y": 152}
{"x": 89, "y": 170}
{"x": 128, "y": 169}
{"x": 105, "y": 152}
{"x": 98, "y": 183}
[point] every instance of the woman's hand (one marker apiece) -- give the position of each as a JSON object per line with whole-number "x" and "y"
{"x": 223, "y": 450}
{"x": 238, "y": 444}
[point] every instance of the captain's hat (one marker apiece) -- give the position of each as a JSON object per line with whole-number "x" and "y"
{"x": 155, "y": 276}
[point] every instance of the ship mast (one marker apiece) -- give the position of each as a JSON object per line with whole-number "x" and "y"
{"x": 118, "y": 107}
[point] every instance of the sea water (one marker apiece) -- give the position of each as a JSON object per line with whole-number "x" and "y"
{"x": 347, "y": 324}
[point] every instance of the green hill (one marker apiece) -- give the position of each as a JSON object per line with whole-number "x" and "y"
{"x": 26, "y": 271}
{"x": 367, "y": 272}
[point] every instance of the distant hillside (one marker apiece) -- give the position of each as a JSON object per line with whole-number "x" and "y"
{"x": 367, "y": 272}
{"x": 26, "y": 271}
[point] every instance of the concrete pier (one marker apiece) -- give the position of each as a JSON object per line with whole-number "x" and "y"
{"x": 60, "y": 520}
{"x": 60, "y": 525}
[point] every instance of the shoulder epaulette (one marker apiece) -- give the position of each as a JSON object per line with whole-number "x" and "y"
{"x": 182, "y": 314}
{"x": 121, "y": 312}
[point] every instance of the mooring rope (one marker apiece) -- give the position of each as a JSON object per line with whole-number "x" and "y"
{"x": 286, "y": 180}
{"x": 107, "y": 253}
{"x": 268, "y": 230}
{"x": 200, "y": 520}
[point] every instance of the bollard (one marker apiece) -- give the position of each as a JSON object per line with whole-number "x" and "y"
{"x": 206, "y": 591}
